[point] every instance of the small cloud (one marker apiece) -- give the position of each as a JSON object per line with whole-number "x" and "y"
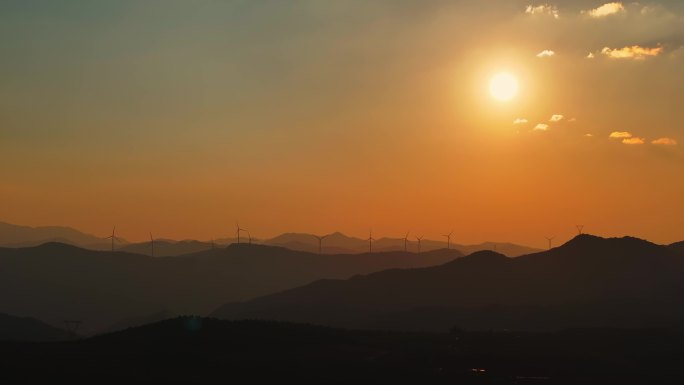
{"x": 556, "y": 118}
{"x": 634, "y": 52}
{"x": 520, "y": 121}
{"x": 544, "y": 9}
{"x": 572, "y": 120}
{"x": 590, "y": 56}
{"x": 620, "y": 135}
{"x": 606, "y": 10}
{"x": 633, "y": 140}
{"x": 541, "y": 127}
{"x": 665, "y": 142}
{"x": 589, "y": 135}
{"x": 545, "y": 53}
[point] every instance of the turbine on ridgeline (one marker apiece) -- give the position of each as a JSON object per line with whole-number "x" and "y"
{"x": 406, "y": 242}
{"x": 320, "y": 242}
{"x": 579, "y": 229}
{"x": 237, "y": 231}
{"x": 370, "y": 241}
{"x": 448, "y": 237}
{"x": 419, "y": 240}
{"x": 113, "y": 237}
{"x": 550, "y": 239}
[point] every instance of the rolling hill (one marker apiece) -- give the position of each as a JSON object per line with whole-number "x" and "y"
{"x": 26, "y": 236}
{"x": 200, "y": 350}
{"x": 29, "y": 329}
{"x": 588, "y": 282}
{"x": 54, "y": 282}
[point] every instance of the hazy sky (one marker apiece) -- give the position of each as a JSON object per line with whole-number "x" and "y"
{"x": 183, "y": 117}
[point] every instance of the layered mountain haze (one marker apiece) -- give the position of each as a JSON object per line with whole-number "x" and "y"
{"x": 334, "y": 243}
{"x": 589, "y": 281}
{"x": 54, "y": 282}
{"x": 26, "y": 236}
{"x": 339, "y": 243}
{"x": 167, "y": 247}
{"x": 30, "y": 329}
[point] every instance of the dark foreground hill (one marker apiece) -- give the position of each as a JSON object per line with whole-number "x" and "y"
{"x": 197, "y": 350}
{"x": 55, "y": 282}
{"x": 587, "y": 282}
{"x": 29, "y": 329}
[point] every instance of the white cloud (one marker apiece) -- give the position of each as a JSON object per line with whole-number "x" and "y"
{"x": 541, "y": 127}
{"x": 633, "y": 140}
{"x": 620, "y": 135}
{"x": 606, "y": 10}
{"x": 572, "y": 120}
{"x": 520, "y": 121}
{"x": 556, "y": 118}
{"x": 589, "y": 135}
{"x": 590, "y": 56}
{"x": 665, "y": 142}
{"x": 634, "y": 52}
{"x": 545, "y": 53}
{"x": 544, "y": 9}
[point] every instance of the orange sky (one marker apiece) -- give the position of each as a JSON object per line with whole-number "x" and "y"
{"x": 317, "y": 117}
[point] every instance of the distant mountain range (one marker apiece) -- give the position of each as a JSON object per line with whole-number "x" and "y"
{"x": 29, "y": 329}
{"x": 54, "y": 281}
{"x": 587, "y": 282}
{"x": 335, "y": 243}
{"x": 25, "y": 236}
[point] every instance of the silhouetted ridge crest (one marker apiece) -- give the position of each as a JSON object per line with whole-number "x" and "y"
{"x": 586, "y": 243}
{"x": 484, "y": 257}
{"x": 57, "y": 245}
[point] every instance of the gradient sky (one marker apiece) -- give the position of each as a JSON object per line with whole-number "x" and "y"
{"x": 183, "y": 117}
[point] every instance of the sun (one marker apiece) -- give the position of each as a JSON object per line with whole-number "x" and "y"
{"x": 503, "y": 86}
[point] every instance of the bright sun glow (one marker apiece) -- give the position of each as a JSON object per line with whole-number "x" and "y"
{"x": 503, "y": 86}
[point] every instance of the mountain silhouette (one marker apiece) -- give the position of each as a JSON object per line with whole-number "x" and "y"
{"x": 589, "y": 282}
{"x": 14, "y": 328}
{"x": 25, "y": 236}
{"x": 199, "y": 350}
{"x": 167, "y": 247}
{"x": 678, "y": 246}
{"x": 338, "y": 243}
{"x": 54, "y": 281}
{"x": 132, "y": 322}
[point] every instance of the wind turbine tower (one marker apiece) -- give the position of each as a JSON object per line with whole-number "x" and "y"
{"x": 406, "y": 242}
{"x": 419, "y": 239}
{"x": 320, "y": 242}
{"x": 550, "y": 239}
{"x": 113, "y": 237}
{"x": 237, "y": 232}
{"x": 370, "y": 241}
{"x": 448, "y": 237}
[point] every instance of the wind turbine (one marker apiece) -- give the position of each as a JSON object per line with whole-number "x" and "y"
{"x": 249, "y": 236}
{"x": 448, "y": 237}
{"x": 152, "y": 244}
{"x": 320, "y": 242}
{"x": 370, "y": 241}
{"x": 406, "y": 242}
{"x": 549, "y": 239}
{"x": 113, "y": 237}
{"x": 579, "y": 229}
{"x": 237, "y": 231}
{"x": 419, "y": 239}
